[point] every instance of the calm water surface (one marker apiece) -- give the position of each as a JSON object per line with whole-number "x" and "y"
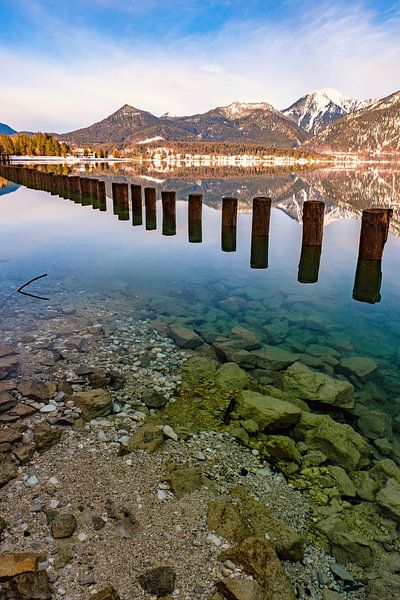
{"x": 88, "y": 252}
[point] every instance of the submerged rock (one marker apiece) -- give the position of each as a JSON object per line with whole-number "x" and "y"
{"x": 266, "y": 411}
{"x": 389, "y": 499}
{"x": 273, "y": 357}
{"x": 38, "y": 390}
{"x": 46, "y": 436}
{"x": 375, "y": 424}
{"x": 148, "y": 437}
{"x": 159, "y": 581}
{"x": 340, "y": 443}
{"x": 349, "y": 547}
{"x": 8, "y": 471}
{"x": 184, "y": 480}
{"x": 153, "y": 399}
{"x": 300, "y": 381}
{"x": 109, "y": 593}
{"x": 281, "y": 448}
{"x": 93, "y": 403}
{"x": 240, "y": 589}
{"x": 63, "y": 525}
{"x": 184, "y": 337}
{"x": 231, "y": 376}
{"x": 258, "y": 558}
{"x": 366, "y": 486}
{"x": 359, "y": 366}
{"x": 15, "y": 563}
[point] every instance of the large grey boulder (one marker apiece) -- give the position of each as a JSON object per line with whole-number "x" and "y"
{"x": 301, "y": 382}
{"x": 267, "y": 411}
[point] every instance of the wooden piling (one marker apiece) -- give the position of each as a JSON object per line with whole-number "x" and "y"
{"x": 169, "y": 213}
{"x": 374, "y": 233}
{"x": 136, "y": 197}
{"x": 229, "y": 212}
{"x": 309, "y": 264}
{"x": 368, "y": 280}
{"x": 150, "y": 204}
{"x": 261, "y": 217}
{"x": 195, "y": 210}
{"x": 313, "y": 223}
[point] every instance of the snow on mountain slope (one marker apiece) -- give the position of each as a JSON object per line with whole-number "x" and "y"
{"x": 316, "y": 110}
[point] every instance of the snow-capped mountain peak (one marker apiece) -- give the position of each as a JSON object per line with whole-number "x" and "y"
{"x": 241, "y": 109}
{"x": 314, "y": 111}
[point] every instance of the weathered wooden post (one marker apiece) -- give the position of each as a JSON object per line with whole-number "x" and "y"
{"x": 150, "y": 204}
{"x": 136, "y": 196}
{"x": 374, "y": 233}
{"x": 368, "y": 280}
{"x": 101, "y": 195}
{"x": 260, "y": 232}
{"x": 311, "y": 246}
{"x": 309, "y": 264}
{"x": 121, "y": 201}
{"x": 229, "y": 223}
{"x": 313, "y": 223}
{"x": 195, "y": 210}
{"x": 86, "y": 191}
{"x": 169, "y": 213}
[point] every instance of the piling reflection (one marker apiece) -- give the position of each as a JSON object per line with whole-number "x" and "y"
{"x": 309, "y": 264}
{"x": 368, "y": 280}
{"x": 195, "y": 213}
{"x": 150, "y": 202}
{"x": 136, "y": 198}
{"x": 169, "y": 213}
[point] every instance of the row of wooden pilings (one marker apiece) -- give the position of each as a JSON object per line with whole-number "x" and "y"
{"x": 89, "y": 191}
{"x": 4, "y": 158}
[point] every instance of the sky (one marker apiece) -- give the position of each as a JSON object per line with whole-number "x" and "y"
{"x": 66, "y": 64}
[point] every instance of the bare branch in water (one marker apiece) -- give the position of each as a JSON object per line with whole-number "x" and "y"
{"x": 19, "y": 290}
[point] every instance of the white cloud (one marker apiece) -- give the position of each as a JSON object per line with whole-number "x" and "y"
{"x": 252, "y": 61}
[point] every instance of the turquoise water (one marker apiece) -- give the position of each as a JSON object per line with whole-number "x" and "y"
{"x": 88, "y": 252}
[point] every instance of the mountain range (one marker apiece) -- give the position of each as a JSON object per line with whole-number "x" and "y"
{"x": 323, "y": 121}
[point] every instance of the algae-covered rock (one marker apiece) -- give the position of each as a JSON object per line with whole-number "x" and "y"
{"x": 46, "y": 436}
{"x": 273, "y": 357}
{"x": 383, "y": 470}
{"x": 8, "y": 471}
{"x": 257, "y": 557}
{"x": 340, "y": 443}
{"x": 366, "y": 486}
{"x": 307, "y": 422}
{"x": 198, "y": 370}
{"x": 359, "y": 366}
{"x": 63, "y": 525}
{"x": 108, "y": 593}
{"x": 267, "y": 411}
{"x": 281, "y": 447}
{"x": 32, "y": 586}
{"x": 375, "y": 424}
{"x": 148, "y": 438}
{"x": 389, "y": 499}
{"x": 240, "y": 589}
{"x": 300, "y": 381}
{"x": 184, "y": 337}
{"x": 159, "y": 581}
{"x": 224, "y": 518}
{"x": 231, "y": 376}
{"x": 343, "y": 482}
{"x": 384, "y": 588}
{"x": 184, "y": 480}
{"x": 93, "y": 403}
{"x": 287, "y": 543}
{"x": 349, "y": 547}
{"x": 240, "y": 435}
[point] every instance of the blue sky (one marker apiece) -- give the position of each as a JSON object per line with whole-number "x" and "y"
{"x": 65, "y": 64}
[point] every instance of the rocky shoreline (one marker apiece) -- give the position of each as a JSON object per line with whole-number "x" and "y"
{"x": 135, "y": 465}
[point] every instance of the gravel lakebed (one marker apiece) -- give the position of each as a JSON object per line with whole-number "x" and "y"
{"x": 139, "y": 521}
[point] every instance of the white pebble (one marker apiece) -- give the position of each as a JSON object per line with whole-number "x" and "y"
{"x": 170, "y": 433}
{"x": 32, "y": 480}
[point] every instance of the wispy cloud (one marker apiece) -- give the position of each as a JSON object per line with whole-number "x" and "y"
{"x": 330, "y": 45}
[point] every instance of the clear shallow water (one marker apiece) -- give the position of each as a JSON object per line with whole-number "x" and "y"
{"x": 91, "y": 253}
